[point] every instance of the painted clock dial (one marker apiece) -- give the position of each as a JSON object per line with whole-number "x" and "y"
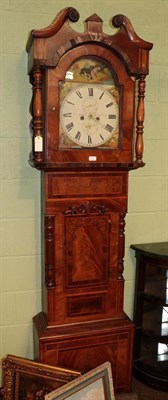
{"x": 89, "y": 115}
{"x": 89, "y": 106}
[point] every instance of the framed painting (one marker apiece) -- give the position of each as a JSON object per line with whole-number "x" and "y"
{"x": 95, "y": 384}
{"x": 24, "y": 379}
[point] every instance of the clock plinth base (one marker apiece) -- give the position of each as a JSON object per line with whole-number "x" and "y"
{"x": 87, "y": 345}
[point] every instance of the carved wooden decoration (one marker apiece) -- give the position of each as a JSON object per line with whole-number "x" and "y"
{"x": 85, "y": 155}
{"x": 49, "y": 251}
{"x": 140, "y": 119}
{"x": 37, "y": 115}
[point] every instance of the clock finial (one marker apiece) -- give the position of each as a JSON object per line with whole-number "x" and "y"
{"x": 73, "y": 14}
{"x": 121, "y": 21}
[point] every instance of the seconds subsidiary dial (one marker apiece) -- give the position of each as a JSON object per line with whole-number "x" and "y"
{"x": 89, "y": 115}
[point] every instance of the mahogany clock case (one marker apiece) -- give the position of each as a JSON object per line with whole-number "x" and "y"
{"x": 85, "y": 164}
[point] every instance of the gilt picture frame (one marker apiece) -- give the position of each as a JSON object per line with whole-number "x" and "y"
{"x": 95, "y": 384}
{"x": 24, "y": 379}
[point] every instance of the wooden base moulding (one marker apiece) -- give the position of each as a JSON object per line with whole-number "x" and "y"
{"x": 85, "y": 346}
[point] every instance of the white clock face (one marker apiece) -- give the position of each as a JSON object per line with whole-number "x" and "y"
{"x": 89, "y": 115}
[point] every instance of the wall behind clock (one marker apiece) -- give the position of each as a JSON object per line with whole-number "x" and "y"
{"x": 147, "y": 219}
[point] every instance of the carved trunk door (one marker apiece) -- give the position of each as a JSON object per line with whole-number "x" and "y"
{"x": 86, "y": 276}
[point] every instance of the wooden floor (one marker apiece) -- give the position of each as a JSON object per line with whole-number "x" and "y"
{"x": 146, "y": 393}
{"x": 126, "y": 396}
{"x": 142, "y": 392}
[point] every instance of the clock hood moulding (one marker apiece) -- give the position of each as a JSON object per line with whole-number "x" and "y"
{"x": 125, "y": 42}
{"x": 56, "y": 49}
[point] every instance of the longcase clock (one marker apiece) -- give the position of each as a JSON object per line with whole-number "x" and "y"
{"x": 84, "y": 109}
